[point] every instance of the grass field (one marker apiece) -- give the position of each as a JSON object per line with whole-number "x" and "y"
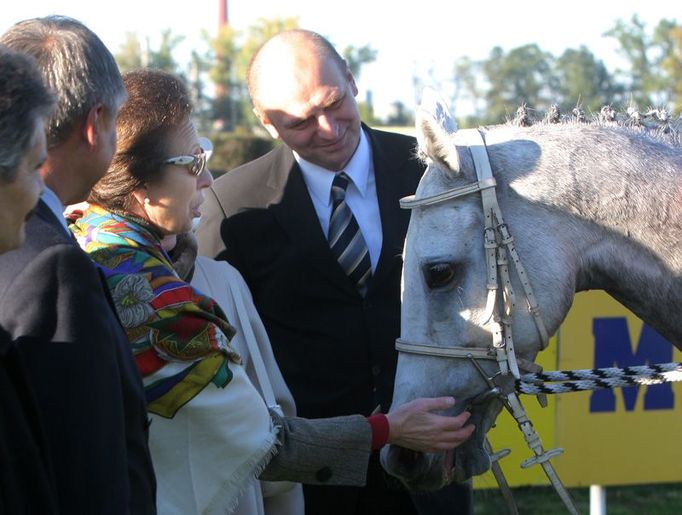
{"x": 664, "y": 499}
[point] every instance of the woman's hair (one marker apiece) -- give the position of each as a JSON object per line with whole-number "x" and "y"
{"x": 74, "y": 63}
{"x": 23, "y": 99}
{"x": 158, "y": 103}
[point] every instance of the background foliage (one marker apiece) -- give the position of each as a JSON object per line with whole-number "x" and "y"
{"x": 651, "y": 76}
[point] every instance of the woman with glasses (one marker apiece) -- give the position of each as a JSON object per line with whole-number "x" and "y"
{"x": 211, "y": 431}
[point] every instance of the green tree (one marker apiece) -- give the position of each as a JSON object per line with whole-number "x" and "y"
{"x": 640, "y": 79}
{"x": 496, "y": 86}
{"x": 667, "y": 40}
{"x": 653, "y": 57}
{"x": 466, "y": 88}
{"x": 162, "y": 58}
{"x": 197, "y": 74}
{"x": 129, "y": 55}
{"x": 400, "y": 115}
{"x": 582, "y": 79}
{"x": 672, "y": 67}
{"x": 357, "y": 57}
{"x": 223, "y": 55}
{"x": 522, "y": 76}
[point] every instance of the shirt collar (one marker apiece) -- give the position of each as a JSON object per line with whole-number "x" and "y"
{"x": 52, "y": 200}
{"x": 319, "y": 180}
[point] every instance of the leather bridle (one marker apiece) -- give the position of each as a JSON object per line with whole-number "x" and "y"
{"x": 499, "y": 250}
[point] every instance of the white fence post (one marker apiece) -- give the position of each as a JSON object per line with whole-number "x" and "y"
{"x": 597, "y": 500}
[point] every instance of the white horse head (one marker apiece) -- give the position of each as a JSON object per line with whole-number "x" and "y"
{"x": 577, "y": 200}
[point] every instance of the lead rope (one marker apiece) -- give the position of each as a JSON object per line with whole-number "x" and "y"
{"x": 598, "y": 378}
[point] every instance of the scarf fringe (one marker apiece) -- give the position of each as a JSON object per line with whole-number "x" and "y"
{"x": 233, "y": 488}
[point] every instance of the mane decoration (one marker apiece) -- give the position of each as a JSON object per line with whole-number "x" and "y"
{"x": 655, "y": 121}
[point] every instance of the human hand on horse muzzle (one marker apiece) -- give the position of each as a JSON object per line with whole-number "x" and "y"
{"x": 414, "y": 425}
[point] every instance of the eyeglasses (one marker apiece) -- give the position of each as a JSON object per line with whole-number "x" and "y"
{"x": 197, "y": 162}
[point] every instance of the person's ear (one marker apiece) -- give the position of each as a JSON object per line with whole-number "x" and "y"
{"x": 266, "y": 123}
{"x": 141, "y": 195}
{"x": 93, "y": 120}
{"x": 271, "y": 130}
{"x": 351, "y": 81}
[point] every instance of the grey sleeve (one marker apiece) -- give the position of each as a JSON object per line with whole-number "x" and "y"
{"x": 327, "y": 451}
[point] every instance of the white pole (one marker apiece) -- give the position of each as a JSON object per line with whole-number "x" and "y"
{"x": 597, "y": 500}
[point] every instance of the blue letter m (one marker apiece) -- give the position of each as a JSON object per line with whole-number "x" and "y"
{"x": 612, "y": 347}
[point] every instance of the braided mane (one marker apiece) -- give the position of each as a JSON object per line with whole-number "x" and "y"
{"x": 655, "y": 122}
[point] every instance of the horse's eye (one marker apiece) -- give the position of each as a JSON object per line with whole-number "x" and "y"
{"x": 438, "y": 275}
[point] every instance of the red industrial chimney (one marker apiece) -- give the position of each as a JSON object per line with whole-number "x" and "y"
{"x": 223, "y": 107}
{"x": 222, "y": 14}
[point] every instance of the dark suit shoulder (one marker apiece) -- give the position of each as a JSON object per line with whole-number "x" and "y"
{"x": 396, "y": 153}
{"x": 403, "y": 145}
{"x": 55, "y": 292}
{"x": 408, "y": 142}
{"x": 49, "y": 287}
{"x": 43, "y": 258}
{"x": 43, "y": 232}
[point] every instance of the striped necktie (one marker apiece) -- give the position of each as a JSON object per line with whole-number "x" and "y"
{"x": 345, "y": 237}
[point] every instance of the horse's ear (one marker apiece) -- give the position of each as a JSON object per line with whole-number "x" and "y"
{"x": 436, "y": 129}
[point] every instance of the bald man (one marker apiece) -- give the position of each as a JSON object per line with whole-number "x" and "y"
{"x": 316, "y": 229}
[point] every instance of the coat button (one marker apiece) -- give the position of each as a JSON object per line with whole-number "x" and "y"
{"x": 323, "y": 475}
{"x": 376, "y": 370}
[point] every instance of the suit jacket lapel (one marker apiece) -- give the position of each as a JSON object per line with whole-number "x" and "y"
{"x": 297, "y": 216}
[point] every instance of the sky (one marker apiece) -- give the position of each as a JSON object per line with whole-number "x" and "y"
{"x": 422, "y": 38}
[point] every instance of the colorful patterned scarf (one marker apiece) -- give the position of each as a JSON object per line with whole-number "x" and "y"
{"x": 179, "y": 337}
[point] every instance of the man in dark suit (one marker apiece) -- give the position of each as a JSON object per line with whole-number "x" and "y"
{"x": 26, "y": 482}
{"x": 53, "y": 302}
{"x": 316, "y": 230}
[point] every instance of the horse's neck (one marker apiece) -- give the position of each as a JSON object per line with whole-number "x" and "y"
{"x": 637, "y": 278}
{"x": 635, "y": 259}
{"x": 643, "y": 212}
{"x": 629, "y": 187}
{"x": 625, "y": 227}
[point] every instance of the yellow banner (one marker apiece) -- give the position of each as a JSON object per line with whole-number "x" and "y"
{"x": 610, "y": 437}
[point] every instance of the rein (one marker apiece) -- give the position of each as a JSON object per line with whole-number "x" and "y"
{"x": 598, "y": 378}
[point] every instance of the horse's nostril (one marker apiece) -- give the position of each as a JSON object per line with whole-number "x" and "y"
{"x": 408, "y": 458}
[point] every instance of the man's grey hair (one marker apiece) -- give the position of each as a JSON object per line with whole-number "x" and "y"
{"x": 24, "y": 99}
{"x": 75, "y": 65}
